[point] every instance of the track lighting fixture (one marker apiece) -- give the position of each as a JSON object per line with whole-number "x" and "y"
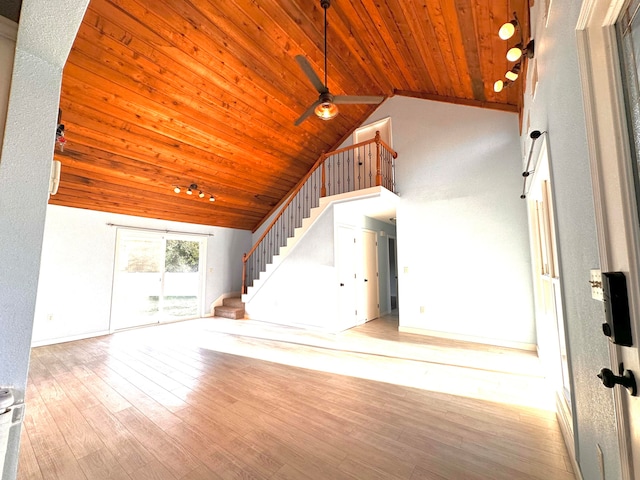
{"x": 194, "y": 188}
{"x": 514, "y": 54}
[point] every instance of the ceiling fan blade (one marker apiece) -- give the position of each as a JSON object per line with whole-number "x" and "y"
{"x": 311, "y": 75}
{"x": 357, "y": 99}
{"x": 307, "y": 113}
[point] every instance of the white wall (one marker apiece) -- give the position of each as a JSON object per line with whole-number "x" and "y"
{"x": 43, "y": 43}
{"x": 461, "y": 227}
{"x": 302, "y": 289}
{"x": 558, "y": 108}
{"x": 76, "y": 271}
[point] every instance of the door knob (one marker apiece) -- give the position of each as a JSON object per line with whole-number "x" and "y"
{"x": 342, "y": 284}
{"x": 627, "y": 380}
{"x": 366, "y": 279}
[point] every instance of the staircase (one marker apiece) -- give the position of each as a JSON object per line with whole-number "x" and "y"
{"x": 358, "y": 167}
{"x": 232, "y": 307}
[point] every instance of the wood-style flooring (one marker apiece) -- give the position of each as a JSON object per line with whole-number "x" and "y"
{"x": 227, "y": 399}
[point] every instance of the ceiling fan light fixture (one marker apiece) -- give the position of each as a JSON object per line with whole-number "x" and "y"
{"x": 201, "y": 194}
{"x": 176, "y": 189}
{"x": 326, "y": 110}
{"x": 498, "y": 86}
{"x": 212, "y": 198}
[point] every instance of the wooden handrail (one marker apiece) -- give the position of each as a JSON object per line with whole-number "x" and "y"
{"x": 379, "y": 142}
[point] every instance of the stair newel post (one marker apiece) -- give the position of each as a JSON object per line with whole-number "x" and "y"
{"x": 323, "y": 187}
{"x": 244, "y": 273}
{"x": 378, "y": 160}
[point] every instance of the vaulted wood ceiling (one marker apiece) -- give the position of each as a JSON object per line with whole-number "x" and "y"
{"x": 159, "y": 93}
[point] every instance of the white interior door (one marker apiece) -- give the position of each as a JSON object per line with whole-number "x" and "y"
{"x": 369, "y": 276}
{"x": 346, "y": 266}
{"x": 612, "y": 129}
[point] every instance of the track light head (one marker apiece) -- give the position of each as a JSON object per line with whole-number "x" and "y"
{"x": 500, "y": 85}
{"x": 508, "y": 29}
{"x": 514, "y": 72}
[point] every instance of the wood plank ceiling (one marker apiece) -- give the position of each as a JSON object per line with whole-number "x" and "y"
{"x": 159, "y": 93}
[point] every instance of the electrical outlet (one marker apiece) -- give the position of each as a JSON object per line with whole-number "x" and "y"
{"x": 600, "y": 461}
{"x": 50, "y": 317}
{"x": 421, "y": 309}
{"x": 406, "y": 269}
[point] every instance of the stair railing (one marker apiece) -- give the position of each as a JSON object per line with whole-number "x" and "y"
{"x": 363, "y": 165}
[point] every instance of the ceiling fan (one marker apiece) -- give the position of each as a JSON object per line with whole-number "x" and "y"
{"x": 325, "y": 107}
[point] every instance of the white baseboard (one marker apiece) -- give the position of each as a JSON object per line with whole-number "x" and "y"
{"x": 469, "y": 338}
{"x": 71, "y": 338}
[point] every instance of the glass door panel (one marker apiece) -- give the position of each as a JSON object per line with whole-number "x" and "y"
{"x": 157, "y": 278}
{"x": 181, "y": 296}
{"x": 137, "y": 285}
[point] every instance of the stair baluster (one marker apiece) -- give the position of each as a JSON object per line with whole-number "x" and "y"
{"x": 345, "y": 170}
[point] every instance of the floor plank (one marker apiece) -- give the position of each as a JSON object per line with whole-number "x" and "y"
{"x": 216, "y": 399}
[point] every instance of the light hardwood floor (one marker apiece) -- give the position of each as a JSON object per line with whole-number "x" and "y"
{"x": 217, "y": 399}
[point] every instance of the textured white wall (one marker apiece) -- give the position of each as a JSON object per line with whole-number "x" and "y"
{"x": 8, "y": 32}
{"x": 302, "y": 290}
{"x": 461, "y": 226}
{"x": 76, "y": 273}
{"x": 558, "y": 108}
{"x": 45, "y": 35}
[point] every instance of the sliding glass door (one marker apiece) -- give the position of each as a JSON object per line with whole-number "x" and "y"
{"x": 157, "y": 278}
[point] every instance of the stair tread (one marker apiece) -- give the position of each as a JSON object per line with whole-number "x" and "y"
{"x": 228, "y": 312}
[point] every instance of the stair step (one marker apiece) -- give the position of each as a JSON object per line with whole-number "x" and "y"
{"x": 233, "y": 302}
{"x": 229, "y": 312}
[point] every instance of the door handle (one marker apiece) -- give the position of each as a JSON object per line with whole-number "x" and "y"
{"x": 627, "y": 380}
{"x": 366, "y": 279}
{"x": 342, "y": 284}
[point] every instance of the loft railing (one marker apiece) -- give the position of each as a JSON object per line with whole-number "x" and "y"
{"x": 363, "y": 165}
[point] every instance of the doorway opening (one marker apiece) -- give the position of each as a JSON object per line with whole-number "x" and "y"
{"x": 393, "y": 275}
{"x": 157, "y": 278}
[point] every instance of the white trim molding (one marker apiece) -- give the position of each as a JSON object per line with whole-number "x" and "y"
{"x": 612, "y": 179}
